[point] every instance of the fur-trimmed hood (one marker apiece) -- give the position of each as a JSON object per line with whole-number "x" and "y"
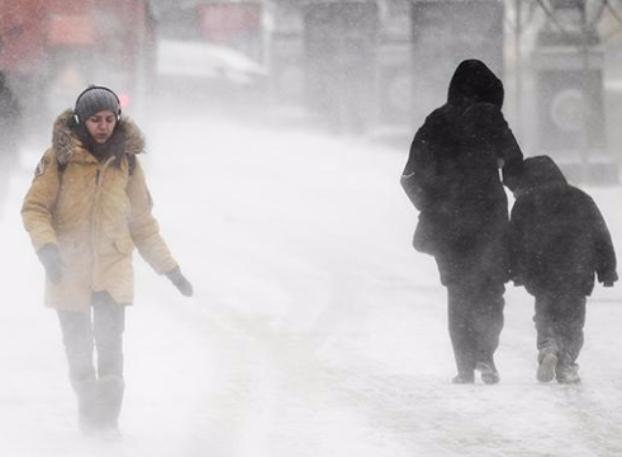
{"x": 68, "y": 146}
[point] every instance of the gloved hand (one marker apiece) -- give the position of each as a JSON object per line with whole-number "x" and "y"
{"x": 180, "y": 281}
{"x": 50, "y": 258}
{"x": 608, "y": 278}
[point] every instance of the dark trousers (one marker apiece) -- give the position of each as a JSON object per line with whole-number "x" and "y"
{"x": 559, "y": 320}
{"x": 475, "y": 318}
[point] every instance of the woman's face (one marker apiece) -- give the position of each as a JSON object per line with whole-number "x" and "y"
{"x": 101, "y": 125}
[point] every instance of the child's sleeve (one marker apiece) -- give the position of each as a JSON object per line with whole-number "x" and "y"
{"x": 605, "y": 253}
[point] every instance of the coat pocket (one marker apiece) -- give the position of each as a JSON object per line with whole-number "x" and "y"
{"x": 124, "y": 245}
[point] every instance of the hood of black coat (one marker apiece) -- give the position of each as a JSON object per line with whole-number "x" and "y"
{"x": 538, "y": 172}
{"x": 474, "y": 82}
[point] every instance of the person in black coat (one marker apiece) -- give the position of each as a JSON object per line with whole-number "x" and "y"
{"x": 559, "y": 240}
{"x": 452, "y": 178}
{"x": 9, "y": 134}
{"x": 9, "y": 119}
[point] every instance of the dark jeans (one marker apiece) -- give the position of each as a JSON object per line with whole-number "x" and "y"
{"x": 102, "y": 328}
{"x": 475, "y": 316}
{"x": 559, "y": 320}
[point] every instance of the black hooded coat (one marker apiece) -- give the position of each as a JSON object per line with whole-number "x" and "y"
{"x": 9, "y": 123}
{"x": 559, "y": 237}
{"x": 452, "y": 178}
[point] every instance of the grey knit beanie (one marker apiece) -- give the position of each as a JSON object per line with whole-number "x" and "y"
{"x": 95, "y": 99}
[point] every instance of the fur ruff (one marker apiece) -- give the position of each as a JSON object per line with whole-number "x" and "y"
{"x": 65, "y": 141}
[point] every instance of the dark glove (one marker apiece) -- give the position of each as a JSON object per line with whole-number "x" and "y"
{"x": 180, "y": 281}
{"x": 608, "y": 278}
{"x": 50, "y": 258}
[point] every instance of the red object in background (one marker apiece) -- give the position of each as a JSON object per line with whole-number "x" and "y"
{"x": 52, "y": 48}
{"x": 124, "y": 99}
{"x": 223, "y": 23}
{"x": 22, "y": 38}
{"x": 71, "y": 30}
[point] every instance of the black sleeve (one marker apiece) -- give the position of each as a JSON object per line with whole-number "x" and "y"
{"x": 508, "y": 150}
{"x": 516, "y": 241}
{"x": 512, "y": 159}
{"x": 490, "y": 120}
{"x": 417, "y": 179}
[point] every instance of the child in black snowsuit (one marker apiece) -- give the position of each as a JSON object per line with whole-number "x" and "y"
{"x": 559, "y": 240}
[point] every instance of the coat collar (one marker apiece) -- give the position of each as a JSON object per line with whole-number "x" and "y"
{"x": 69, "y": 148}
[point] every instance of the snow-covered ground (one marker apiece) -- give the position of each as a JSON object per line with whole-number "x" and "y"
{"x": 315, "y": 329}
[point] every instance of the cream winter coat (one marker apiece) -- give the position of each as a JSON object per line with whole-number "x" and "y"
{"x": 96, "y": 213}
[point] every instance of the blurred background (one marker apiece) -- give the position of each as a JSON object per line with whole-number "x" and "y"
{"x": 276, "y": 133}
{"x": 370, "y": 68}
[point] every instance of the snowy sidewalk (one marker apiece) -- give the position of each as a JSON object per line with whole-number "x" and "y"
{"x": 315, "y": 331}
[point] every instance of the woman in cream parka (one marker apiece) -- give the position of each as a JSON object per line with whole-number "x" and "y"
{"x": 86, "y": 210}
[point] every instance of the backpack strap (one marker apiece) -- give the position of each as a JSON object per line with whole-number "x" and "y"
{"x": 61, "y": 167}
{"x": 131, "y": 164}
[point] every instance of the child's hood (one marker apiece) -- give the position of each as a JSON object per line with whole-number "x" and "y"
{"x": 540, "y": 171}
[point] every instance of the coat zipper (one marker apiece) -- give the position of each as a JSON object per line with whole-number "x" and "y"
{"x": 94, "y": 217}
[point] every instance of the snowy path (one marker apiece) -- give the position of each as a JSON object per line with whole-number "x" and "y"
{"x": 315, "y": 331}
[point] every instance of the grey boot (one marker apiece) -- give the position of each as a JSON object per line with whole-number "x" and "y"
{"x": 547, "y": 365}
{"x": 488, "y": 372}
{"x": 86, "y": 393}
{"x": 568, "y": 373}
{"x": 463, "y": 377}
{"x": 109, "y": 398}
